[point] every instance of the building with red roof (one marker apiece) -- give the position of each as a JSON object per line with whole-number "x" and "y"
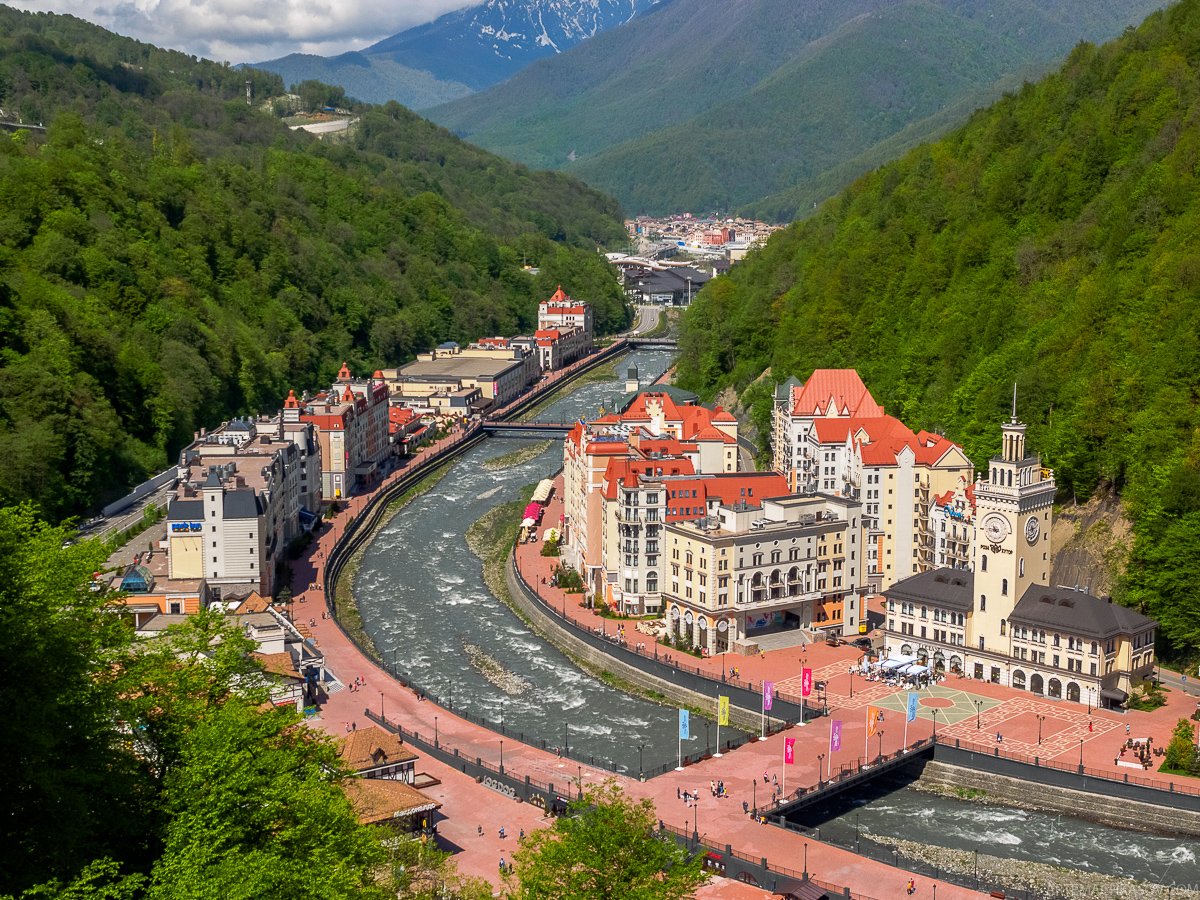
{"x": 561, "y": 312}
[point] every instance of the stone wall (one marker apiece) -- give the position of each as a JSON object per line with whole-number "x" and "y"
{"x": 1095, "y": 807}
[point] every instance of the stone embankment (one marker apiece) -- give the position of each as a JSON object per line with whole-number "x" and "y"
{"x": 960, "y": 783}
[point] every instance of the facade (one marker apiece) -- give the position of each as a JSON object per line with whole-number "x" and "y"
{"x": 830, "y": 435}
{"x": 1001, "y": 621}
{"x": 236, "y": 508}
{"x": 500, "y": 374}
{"x": 374, "y": 753}
{"x": 796, "y": 563}
{"x": 561, "y": 312}
{"x": 351, "y": 422}
{"x": 952, "y": 524}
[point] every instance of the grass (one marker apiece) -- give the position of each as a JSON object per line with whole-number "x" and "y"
{"x": 516, "y": 457}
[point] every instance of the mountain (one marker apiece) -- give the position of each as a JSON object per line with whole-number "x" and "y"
{"x": 171, "y": 256}
{"x": 1049, "y": 242}
{"x": 371, "y": 79}
{"x": 463, "y": 51}
{"x": 702, "y": 107}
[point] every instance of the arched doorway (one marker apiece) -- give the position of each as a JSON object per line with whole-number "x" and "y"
{"x": 1073, "y": 692}
{"x": 1035, "y": 684}
{"x": 939, "y": 661}
{"x": 906, "y": 650}
{"x": 955, "y": 664}
{"x": 1054, "y": 689}
{"x": 675, "y": 623}
{"x": 702, "y": 622}
{"x": 922, "y": 656}
{"x": 1018, "y": 680}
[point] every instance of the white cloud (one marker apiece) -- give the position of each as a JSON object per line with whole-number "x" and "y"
{"x": 254, "y": 30}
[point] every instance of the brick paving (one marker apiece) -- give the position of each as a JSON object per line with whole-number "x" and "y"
{"x": 469, "y": 806}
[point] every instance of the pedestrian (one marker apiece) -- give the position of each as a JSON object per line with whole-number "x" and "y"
{"x": 998, "y": 738}
{"x": 501, "y": 832}
{"x": 354, "y": 726}
{"x": 678, "y": 793}
{"x": 766, "y": 778}
{"x": 745, "y": 807}
{"x": 522, "y": 835}
{"x": 347, "y": 724}
{"x": 775, "y": 779}
{"x": 1126, "y": 729}
{"x": 712, "y": 788}
{"x": 1089, "y": 724}
{"x": 481, "y": 831}
{"x": 912, "y": 886}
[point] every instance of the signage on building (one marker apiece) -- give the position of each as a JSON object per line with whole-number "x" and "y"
{"x": 996, "y": 548}
{"x": 177, "y": 527}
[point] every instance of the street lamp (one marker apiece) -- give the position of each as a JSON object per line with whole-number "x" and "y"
{"x": 978, "y": 706}
{"x": 820, "y": 770}
{"x": 806, "y": 859}
{"x": 1040, "y": 719}
{"x": 852, "y": 684}
{"x": 501, "y": 757}
{"x": 381, "y": 706}
{"x": 435, "y": 733}
{"x": 641, "y": 770}
{"x": 1081, "y": 754}
{"x": 754, "y": 796}
{"x": 879, "y": 755}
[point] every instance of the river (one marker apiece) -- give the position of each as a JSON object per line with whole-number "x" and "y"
{"x": 891, "y": 810}
{"x": 421, "y": 594}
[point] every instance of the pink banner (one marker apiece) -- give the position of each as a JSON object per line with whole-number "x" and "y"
{"x": 835, "y": 737}
{"x": 789, "y": 751}
{"x": 805, "y": 682}
{"x": 768, "y": 694}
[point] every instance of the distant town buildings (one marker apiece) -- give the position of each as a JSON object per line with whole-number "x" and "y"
{"x": 730, "y": 238}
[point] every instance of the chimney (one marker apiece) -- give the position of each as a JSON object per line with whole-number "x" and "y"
{"x": 201, "y": 432}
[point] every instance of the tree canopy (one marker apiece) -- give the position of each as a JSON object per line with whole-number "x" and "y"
{"x": 1050, "y": 242}
{"x": 171, "y": 257}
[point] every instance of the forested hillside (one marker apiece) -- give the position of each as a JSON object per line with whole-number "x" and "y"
{"x": 1051, "y": 242}
{"x": 698, "y": 106}
{"x": 170, "y": 256}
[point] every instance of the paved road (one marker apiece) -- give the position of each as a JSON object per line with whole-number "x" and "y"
{"x": 647, "y": 319}
{"x": 1174, "y": 680}
{"x": 103, "y": 527}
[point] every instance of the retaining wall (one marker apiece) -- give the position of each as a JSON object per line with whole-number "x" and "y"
{"x": 679, "y": 686}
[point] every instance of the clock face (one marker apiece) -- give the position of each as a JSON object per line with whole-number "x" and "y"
{"x": 1032, "y": 529}
{"x": 995, "y": 528}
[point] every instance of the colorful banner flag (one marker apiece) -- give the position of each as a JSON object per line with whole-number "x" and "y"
{"x": 722, "y": 710}
{"x": 805, "y": 682}
{"x": 835, "y": 737}
{"x": 768, "y": 694}
{"x": 913, "y": 700}
{"x": 789, "y": 751}
{"x": 874, "y": 715}
{"x": 684, "y": 734}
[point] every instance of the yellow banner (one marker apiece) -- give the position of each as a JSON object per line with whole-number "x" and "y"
{"x": 722, "y": 710}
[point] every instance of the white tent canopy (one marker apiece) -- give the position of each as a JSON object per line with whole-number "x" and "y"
{"x": 542, "y": 493}
{"x": 897, "y": 662}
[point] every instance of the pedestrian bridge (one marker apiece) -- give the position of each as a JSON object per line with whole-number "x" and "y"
{"x": 850, "y": 776}
{"x": 638, "y": 343}
{"x": 529, "y": 429}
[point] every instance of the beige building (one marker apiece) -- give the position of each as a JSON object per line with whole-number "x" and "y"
{"x": 235, "y": 510}
{"x": 747, "y": 573}
{"x": 500, "y": 374}
{"x": 1001, "y": 621}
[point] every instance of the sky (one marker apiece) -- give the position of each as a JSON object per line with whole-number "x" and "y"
{"x": 253, "y": 30}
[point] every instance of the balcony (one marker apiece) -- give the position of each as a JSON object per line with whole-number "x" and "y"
{"x": 628, "y": 515}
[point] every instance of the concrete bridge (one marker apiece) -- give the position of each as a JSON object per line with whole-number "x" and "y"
{"x": 850, "y": 776}
{"x": 529, "y": 429}
{"x": 640, "y": 343}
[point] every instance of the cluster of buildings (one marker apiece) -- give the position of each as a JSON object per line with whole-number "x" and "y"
{"x": 660, "y": 519}
{"x": 651, "y": 282}
{"x": 731, "y": 238}
{"x": 457, "y": 382}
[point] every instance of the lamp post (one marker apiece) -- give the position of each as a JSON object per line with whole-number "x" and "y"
{"x": 820, "y": 770}
{"x": 566, "y": 746}
{"x": 978, "y": 706}
{"x": 806, "y": 860}
{"x": 696, "y": 820}
{"x": 879, "y": 755}
{"x": 501, "y": 757}
{"x": 851, "y": 684}
{"x": 1040, "y": 719}
{"x": 1081, "y": 754}
{"x": 641, "y": 770}
{"x": 754, "y": 796}
{"x": 435, "y": 731}
{"x": 381, "y": 706}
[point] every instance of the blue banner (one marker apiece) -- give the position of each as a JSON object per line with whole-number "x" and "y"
{"x": 684, "y": 734}
{"x": 912, "y": 707}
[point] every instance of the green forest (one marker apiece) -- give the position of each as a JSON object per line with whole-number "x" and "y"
{"x": 1050, "y": 242}
{"x": 171, "y": 256}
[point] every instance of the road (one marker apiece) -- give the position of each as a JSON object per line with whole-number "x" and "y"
{"x": 102, "y": 527}
{"x": 1175, "y": 681}
{"x": 647, "y": 319}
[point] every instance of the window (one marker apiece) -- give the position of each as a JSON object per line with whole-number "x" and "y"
{"x": 983, "y": 563}
{"x": 982, "y": 603}
{"x": 1022, "y": 567}
{"x": 1004, "y": 587}
{"x": 1001, "y": 627}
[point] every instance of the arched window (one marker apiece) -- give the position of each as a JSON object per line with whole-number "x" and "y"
{"x": 652, "y": 581}
{"x": 983, "y": 563}
{"x": 1095, "y": 648}
{"x": 1010, "y": 477}
{"x": 1056, "y": 640}
{"x": 1001, "y": 627}
{"x": 994, "y": 475}
{"x": 982, "y": 603}
{"x": 924, "y": 613}
{"x": 1004, "y": 587}
{"x": 1022, "y": 567}
{"x": 688, "y": 557}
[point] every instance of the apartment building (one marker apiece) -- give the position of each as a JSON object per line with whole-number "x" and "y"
{"x": 236, "y": 508}
{"x": 1001, "y": 621}
{"x": 830, "y": 435}
{"x": 351, "y": 423}
{"x": 747, "y": 572}
{"x": 562, "y": 313}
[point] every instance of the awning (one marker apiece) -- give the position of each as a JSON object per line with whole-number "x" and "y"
{"x": 533, "y": 511}
{"x": 896, "y": 662}
{"x": 1114, "y": 694}
{"x": 525, "y": 523}
{"x": 542, "y": 493}
{"x": 915, "y": 670}
{"x": 806, "y": 890}
{"x": 306, "y": 517}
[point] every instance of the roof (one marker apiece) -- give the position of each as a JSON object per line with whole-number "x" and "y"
{"x": 1076, "y": 612}
{"x": 370, "y": 748}
{"x": 838, "y": 392}
{"x": 185, "y": 510}
{"x": 947, "y": 588}
{"x": 280, "y": 664}
{"x": 244, "y": 504}
{"x": 381, "y": 799}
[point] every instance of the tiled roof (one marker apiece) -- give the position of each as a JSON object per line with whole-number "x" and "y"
{"x": 1077, "y": 613}
{"x": 841, "y": 387}
{"x": 369, "y": 748}
{"x": 278, "y": 664}
{"x": 381, "y": 799}
{"x": 947, "y": 588}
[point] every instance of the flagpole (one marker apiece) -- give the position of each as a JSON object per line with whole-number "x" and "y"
{"x": 763, "y": 725}
{"x": 867, "y": 736}
{"x": 718, "y": 753}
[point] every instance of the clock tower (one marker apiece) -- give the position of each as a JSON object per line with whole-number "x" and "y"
{"x": 1012, "y": 537}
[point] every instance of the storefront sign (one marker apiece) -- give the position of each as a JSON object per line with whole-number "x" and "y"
{"x": 177, "y": 527}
